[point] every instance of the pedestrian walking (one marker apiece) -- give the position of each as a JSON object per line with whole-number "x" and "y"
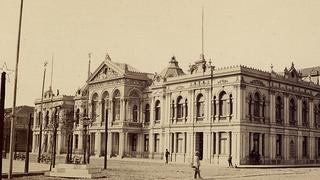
{"x": 230, "y": 161}
{"x": 196, "y": 165}
{"x": 167, "y": 155}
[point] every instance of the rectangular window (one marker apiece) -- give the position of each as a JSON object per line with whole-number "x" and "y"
{"x": 318, "y": 147}
{"x": 146, "y": 142}
{"x": 214, "y": 143}
{"x": 304, "y": 147}
{"x": 223, "y": 143}
{"x": 134, "y": 142}
{"x": 76, "y": 141}
{"x": 278, "y": 145}
{"x": 179, "y": 143}
{"x": 156, "y": 143}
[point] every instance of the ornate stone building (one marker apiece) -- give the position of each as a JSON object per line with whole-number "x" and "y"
{"x": 253, "y": 115}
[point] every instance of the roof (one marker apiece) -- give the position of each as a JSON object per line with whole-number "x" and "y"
{"x": 173, "y": 70}
{"x": 310, "y": 70}
{"x": 123, "y": 67}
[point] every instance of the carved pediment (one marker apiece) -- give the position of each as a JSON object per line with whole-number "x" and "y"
{"x": 105, "y": 73}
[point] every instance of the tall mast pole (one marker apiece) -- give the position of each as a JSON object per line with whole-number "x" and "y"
{"x": 202, "y": 33}
{"x": 12, "y": 130}
{"x": 41, "y": 111}
{"x": 51, "y": 71}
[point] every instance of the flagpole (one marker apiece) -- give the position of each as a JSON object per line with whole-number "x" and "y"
{"x": 12, "y": 132}
{"x": 41, "y": 112}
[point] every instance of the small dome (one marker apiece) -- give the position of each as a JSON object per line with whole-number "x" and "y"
{"x": 173, "y": 70}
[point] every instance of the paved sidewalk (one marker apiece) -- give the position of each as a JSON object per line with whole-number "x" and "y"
{"x": 18, "y": 167}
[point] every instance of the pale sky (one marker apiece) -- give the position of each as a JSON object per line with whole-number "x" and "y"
{"x": 146, "y": 33}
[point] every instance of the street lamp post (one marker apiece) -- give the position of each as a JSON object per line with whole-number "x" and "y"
{"x": 2, "y": 100}
{"x": 106, "y": 141}
{"x": 86, "y": 152}
{"x": 26, "y": 164}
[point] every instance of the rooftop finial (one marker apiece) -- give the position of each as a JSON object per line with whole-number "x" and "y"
{"x": 107, "y": 57}
{"x": 271, "y": 66}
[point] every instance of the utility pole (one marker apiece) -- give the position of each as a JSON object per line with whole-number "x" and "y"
{"x": 2, "y": 100}
{"x": 41, "y": 113}
{"x": 26, "y": 163}
{"x": 12, "y": 132}
{"x": 106, "y": 140}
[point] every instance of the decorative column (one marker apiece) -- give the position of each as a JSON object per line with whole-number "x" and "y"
{"x": 122, "y": 109}
{"x": 206, "y": 146}
{"x": 299, "y": 114}
{"x": 98, "y": 144}
{"x": 311, "y": 115}
{"x": 152, "y": 108}
{"x": 285, "y": 110}
{"x": 151, "y": 144}
{"x": 260, "y": 144}
{"x": 109, "y": 148}
{"x": 174, "y": 142}
{"x": 59, "y": 142}
{"x": 217, "y": 143}
{"x": 121, "y": 144}
{"x": 34, "y": 138}
{"x": 311, "y": 146}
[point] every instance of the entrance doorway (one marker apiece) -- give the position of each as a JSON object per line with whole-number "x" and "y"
{"x": 199, "y": 144}
{"x": 115, "y": 144}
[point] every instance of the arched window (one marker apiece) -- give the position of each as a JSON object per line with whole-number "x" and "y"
{"x": 279, "y": 107}
{"x": 104, "y": 106}
{"x": 135, "y": 113}
{"x": 116, "y": 106}
{"x": 315, "y": 116}
{"x": 318, "y": 117}
{"x": 94, "y": 103}
{"x": 223, "y": 103}
{"x": 263, "y": 107}
{"x": 46, "y": 120}
{"x": 179, "y": 107}
{"x": 250, "y": 107}
{"x": 157, "y": 111}
{"x": 292, "y": 112}
{"x": 304, "y": 113}
{"x": 77, "y": 116}
{"x": 186, "y": 107}
{"x": 147, "y": 113}
{"x": 39, "y": 119}
{"x": 316, "y": 112}
{"x": 231, "y": 104}
{"x": 173, "y": 109}
{"x": 200, "y": 106}
{"x": 256, "y": 105}
{"x": 214, "y": 106}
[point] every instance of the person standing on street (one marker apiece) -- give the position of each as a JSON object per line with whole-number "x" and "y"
{"x": 196, "y": 165}
{"x": 230, "y": 161}
{"x": 167, "y": 155}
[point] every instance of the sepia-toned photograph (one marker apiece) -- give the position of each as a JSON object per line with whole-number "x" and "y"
{"x": 160, "y": 89}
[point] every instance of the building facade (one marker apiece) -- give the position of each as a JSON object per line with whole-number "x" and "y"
{"x": 252, "y": 115}
{"x": 23, "y": 114}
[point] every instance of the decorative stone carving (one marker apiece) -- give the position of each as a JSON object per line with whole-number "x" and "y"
{"x": 222, "y": 81}
{"x": 258, "y": 83}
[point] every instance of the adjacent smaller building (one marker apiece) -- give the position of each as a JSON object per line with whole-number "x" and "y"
{"x": 23, "y": 114}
